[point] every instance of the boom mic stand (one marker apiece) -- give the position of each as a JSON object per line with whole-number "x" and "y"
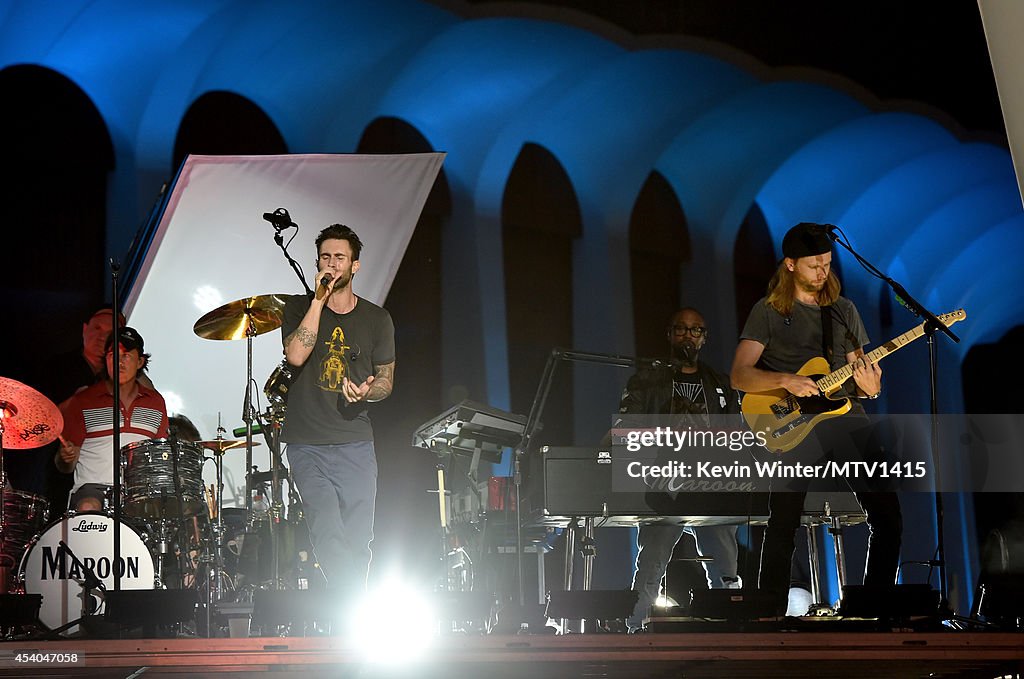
{"x": 281, "y": 220}
{"x": 533, "y": 422}
{"x": 115, "y": 268}
{"x": 932, "y": 325}
{"x": 88, "y": 584}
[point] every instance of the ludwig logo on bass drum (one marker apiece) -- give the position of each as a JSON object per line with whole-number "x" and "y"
{"x": 88, "y": 527}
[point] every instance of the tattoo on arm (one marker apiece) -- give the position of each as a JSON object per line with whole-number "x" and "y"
{"x": 307, "y": 338}
{"x": 383, "y": 380}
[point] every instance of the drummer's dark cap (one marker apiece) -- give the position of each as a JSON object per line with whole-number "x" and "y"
{"x": 130, "y": 339}
{"x": 806, "y": 239}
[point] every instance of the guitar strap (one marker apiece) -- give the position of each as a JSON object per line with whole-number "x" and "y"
{"x": 826, "y": 334}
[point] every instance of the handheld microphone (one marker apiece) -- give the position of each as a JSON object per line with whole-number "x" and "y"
{"x": 323, "y": 287}
{"x": 280, "y": 219}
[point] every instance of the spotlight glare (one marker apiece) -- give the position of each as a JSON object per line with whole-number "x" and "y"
{"x": 665, "y": 601}
{"x": 393, "y": 624}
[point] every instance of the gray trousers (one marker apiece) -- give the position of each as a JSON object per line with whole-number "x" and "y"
{"x": 338, "y": 485}
{"x": 656, "y": 543}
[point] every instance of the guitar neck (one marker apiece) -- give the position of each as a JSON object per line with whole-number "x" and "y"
{"x": 837, "y": 377}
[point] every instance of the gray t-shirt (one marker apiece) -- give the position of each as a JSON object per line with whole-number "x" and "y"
{"x": 790, "y": 341}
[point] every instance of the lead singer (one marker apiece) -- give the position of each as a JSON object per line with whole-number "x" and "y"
{"x": 343, "y": 349}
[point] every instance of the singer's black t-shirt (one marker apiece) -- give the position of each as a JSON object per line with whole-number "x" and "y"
{"x": 348, "y": 345}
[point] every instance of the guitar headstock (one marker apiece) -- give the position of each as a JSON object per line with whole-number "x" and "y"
{"x": 953, "y": 317}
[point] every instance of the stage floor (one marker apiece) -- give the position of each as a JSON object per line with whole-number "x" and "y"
{"x": 888, "y": 655}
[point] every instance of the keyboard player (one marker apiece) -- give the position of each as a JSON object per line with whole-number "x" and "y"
{"x": 684, "y": 385}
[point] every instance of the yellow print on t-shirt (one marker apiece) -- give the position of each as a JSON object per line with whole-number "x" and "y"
{"x": 334, "y": 367}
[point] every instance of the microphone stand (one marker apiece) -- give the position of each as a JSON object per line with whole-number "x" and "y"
{"x": 276, "y": 504}
{"x": 279, "y": 239}
{"x": 89, "y": 583}
{"x": 115, "y": 347}
{"x": 533, "y": 422}
{"x": 931, "y": 326}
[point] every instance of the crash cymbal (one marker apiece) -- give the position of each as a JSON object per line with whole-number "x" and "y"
{"x": 220, "y": 445}
{"x": 231, "y": 321}
{"x": 30, "y": 419}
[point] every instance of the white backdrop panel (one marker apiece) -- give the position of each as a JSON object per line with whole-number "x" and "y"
{"x": 1004, "y": 21}
{"x": 212, "y": 247}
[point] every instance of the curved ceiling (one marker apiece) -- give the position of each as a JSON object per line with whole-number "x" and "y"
{"x": 724, "y": 136}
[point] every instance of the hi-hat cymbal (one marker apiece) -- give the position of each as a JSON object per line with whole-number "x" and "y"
{"x": 233, "y": 320}
{"x": 220, "y": 445}
{"x": 30, "y": 419}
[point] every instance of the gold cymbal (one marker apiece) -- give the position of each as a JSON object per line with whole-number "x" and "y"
{"x": 30, "y": 419}
{"x": 233, "y": 320}
{"x": 221, "y": 444}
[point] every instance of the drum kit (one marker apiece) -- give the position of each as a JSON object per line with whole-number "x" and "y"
{"x": 174, "y": 531}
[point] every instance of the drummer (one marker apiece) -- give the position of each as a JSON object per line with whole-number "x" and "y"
{"x": 87, "y": 439}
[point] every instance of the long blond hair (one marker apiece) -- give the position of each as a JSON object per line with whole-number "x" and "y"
{"x": 782, "y": 290}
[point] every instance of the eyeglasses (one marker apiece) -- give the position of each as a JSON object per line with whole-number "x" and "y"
{"x": 695, "y": 332}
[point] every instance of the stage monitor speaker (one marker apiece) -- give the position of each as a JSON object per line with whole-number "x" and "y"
{"x": 463, "y": 606}
{"x": 892, "y": 601}
{"x": 599, "y": 604}
{"x": 150, "y": 607}
{"x": 19, "y": 609}
{"x": 295, "y": 606}
{"x": 733, "y": 604}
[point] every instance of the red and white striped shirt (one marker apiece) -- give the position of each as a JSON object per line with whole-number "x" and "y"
{"x": 88, "y": 423}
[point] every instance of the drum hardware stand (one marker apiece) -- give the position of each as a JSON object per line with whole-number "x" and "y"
{"x": 272, "y": 433}
{"x": 164, "y": 536}
{"x": 247, "y": 416}
{"x": 256, "y": 315}
{"x": 6, "y": 409}
{"x": 215, "y": 561}
{"x": 163, "y": 539}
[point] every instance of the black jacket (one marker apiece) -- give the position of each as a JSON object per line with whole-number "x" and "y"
{"x": 649, "y": 392}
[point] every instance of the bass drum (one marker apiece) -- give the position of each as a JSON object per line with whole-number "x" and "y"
{"x": 49, "y": 570}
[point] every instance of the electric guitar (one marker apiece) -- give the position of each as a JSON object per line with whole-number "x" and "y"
{"x": 786, "y": 419}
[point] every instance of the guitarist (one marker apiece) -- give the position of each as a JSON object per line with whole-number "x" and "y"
{"x": 803, "y": 317}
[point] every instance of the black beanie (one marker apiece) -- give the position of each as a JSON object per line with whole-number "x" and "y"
{"x": 806, "y": 239}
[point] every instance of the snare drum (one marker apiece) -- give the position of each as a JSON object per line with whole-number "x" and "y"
{"x": 153, "y": 487}
{"x": 24, "y": 516}
{"x": 48, "y": 570}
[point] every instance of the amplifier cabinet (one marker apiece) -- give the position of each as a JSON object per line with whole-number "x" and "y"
{"x": 585, "y": 481}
